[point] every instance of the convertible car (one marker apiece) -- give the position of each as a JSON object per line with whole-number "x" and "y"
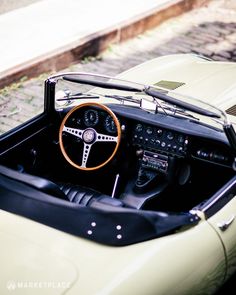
{"x": 123, "y": 185}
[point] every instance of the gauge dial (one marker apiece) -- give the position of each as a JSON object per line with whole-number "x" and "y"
{"x": 149, "y": 130}
{"x": 91, "y": 118}
{"x": 110, "y": 125}
{"x": 139, "y": 128}
{"x": 170, "y": 135}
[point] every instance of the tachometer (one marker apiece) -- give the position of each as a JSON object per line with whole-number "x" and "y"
{"x": 91, "y": 118}
{"x": 110, "y": 125}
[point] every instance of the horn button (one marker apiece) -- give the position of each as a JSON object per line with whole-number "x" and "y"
{"x": 89, "y": 136}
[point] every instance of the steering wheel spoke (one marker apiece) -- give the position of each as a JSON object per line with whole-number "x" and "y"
{"x": 86, "y": 151}
{"x": 106, "y": 138}
{"x": 74, "y": 131}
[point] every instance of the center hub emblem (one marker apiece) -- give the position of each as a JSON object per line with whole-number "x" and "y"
{"x": 89, "y": 135}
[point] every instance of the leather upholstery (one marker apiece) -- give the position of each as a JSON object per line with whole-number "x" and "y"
{"x": 74, "y": 193}
{"x": 88, "y": 197}
{"x": 36, "y": 182}
{"x": 78, "y": 194}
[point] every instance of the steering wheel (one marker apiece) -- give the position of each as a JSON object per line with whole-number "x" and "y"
{"x": 77, "y": 140}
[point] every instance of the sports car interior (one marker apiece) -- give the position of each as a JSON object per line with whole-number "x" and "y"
{"x": 118, "y": 156}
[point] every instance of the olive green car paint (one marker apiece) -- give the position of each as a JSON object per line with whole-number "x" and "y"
{"x": 185, "y": 261}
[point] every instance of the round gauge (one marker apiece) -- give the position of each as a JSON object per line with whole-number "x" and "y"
{"x": 149, "y": 130}
{"x": 139, "y": 127}
{"x": 91, "y": 118}
{"x": 170, "y": 135}
{"x": 110, "y": 125}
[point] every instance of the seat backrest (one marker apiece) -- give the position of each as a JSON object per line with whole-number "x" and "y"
{"x": 39, "y": 183}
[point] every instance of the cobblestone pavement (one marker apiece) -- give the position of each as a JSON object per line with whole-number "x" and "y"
{"x": 210, "y": 31}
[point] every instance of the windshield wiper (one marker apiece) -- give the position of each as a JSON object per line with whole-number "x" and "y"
{"x": 106, "y": 85}
{"x": 173, "y": 111}
{"x": 72, "y": 97}
{"x": 80, "y": 95}
{"x": 182, "y": 104}
{"x": 124, "y": 98}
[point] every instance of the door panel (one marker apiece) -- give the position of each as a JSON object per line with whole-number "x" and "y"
{"x": 224, "y": 223}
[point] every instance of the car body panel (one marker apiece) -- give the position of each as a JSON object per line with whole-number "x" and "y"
{"x": 226, "y": 214}
{"x": 27, "y": 265}
{"x": 90, "y": 268}
{"x": 202, "y": 78}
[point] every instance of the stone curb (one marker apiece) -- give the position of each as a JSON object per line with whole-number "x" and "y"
{"x": 94, "y": 44}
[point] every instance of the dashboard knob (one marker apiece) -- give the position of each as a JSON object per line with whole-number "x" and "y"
{"x": 159, "y": 132}
{"x": 170, "y": 135}
{"x": 139, "y": 127}
{"x": 139, "y": 153}
{"x": 149, "y": 130}
{"x": 163, "y": 144}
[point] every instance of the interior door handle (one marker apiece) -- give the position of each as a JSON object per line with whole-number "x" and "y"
{"x": 226, "y": 223}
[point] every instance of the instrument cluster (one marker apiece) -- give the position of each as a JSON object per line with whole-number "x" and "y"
{"x": 93, "y": 117}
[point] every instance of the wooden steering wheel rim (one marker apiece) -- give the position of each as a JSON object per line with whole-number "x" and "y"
{"x": 116, "y": 121}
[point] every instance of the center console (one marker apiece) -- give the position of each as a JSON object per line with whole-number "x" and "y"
{"x": 157, "y": 150}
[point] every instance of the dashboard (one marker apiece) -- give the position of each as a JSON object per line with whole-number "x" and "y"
{"x": 153, "y": 137}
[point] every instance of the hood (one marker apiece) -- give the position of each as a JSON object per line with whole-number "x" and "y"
{"x": 210, "y": 81}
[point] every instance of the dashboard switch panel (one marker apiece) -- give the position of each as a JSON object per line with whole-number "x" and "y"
{"x": 160, "y": 139}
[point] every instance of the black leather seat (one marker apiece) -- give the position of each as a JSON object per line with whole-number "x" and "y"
{"x": 88, "y": 197}
{"x": 79, "y": 194}
{"x": 74, "y": 193}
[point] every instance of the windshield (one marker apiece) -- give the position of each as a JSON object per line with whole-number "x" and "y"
{"x": 75, "y": 88}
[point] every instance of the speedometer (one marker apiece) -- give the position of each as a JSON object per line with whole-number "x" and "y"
{"x": 110, "y": 125}
{"x": 91, "y": 118}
